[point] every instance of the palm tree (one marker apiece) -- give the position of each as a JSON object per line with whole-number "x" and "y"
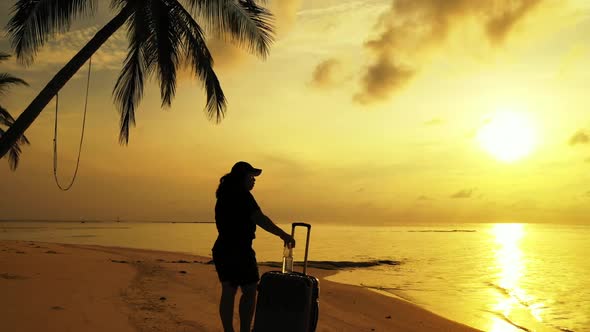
{"x": 6, "y": 120}
{"x": 162, "y": 35}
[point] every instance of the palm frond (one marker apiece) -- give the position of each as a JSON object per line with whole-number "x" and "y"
{"x": 5, "y": 118}
{"x": 6, "y": 80}
{"x": 165, "y": 41}
{"x": 4, "y": 56}
{"x": 14, "y": 157}
{"x": 23, "y": 140}
{"x": 128, "y": 90}
{"x": 263, "y": 19}
{"x": 34, "y": 22}
{"x": 242, "y": 21}
{"x": 201, "y": 62}
{"x": 15, "y": 150}
{"x": 13, "y": 154}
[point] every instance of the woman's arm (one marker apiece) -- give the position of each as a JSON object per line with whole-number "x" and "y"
{"x": 263, "y": 221}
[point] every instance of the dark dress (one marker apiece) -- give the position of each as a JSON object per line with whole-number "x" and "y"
{"x": 234, "y": 258}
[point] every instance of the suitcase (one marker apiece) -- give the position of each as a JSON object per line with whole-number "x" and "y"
{"x": 288, "y": 302}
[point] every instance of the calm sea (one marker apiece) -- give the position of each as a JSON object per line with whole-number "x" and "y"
{"x": 495, "y": 277}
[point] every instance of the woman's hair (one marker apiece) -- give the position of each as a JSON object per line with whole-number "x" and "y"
{"x": 229, "y": 183}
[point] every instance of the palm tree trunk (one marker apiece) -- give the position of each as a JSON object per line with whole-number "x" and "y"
{"x": 58, "y": 81}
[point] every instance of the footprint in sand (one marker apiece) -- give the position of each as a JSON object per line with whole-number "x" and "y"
{"x": 119, "y": 261}
{"x": 12, "y": 276}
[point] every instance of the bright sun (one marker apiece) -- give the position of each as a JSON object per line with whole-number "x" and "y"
{"x": 507, "y": 136}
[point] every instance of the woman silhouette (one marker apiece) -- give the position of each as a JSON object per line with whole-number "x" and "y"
{"x": 236, "y": 217}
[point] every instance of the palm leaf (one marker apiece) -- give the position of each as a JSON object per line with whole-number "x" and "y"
{"x": 201, "y": 62}
{"x": 5, "y": 118}
{"x": 128, "y": 90}
{"x": 246, "y": 23}
{"x": 6, "y": 80}
{"x": 34, "y": 22}
{"x": 15, "y": 150}
{"x": 165, "y": 41}
{"x": 4, "y": 56}
{"x": 14, "y": 156}
{"x": 264, "y": 21}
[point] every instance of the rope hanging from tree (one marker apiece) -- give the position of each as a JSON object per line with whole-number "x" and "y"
{"x": 66, "y": 188}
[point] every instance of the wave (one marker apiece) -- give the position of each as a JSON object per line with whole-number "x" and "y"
{"x": 510, "y": 293}
{"x": 527, "y": 304}
{"x": 395, "y": 291}
{"x": 509, "y": 321}
{"x": 338, "y": 265}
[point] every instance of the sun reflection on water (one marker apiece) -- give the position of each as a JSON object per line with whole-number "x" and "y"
{"x": 508, "y": 254}
{"x": 511, "y": 267}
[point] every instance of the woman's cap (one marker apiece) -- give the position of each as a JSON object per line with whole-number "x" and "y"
{"x": 242, "y": 168}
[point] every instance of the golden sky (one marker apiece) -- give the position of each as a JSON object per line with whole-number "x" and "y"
{"x": 365, "y": 112}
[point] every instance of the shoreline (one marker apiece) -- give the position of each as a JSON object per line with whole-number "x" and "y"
{"x": 57, "y": 287}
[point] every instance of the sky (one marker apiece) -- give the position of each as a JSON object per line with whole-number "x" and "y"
{"x": 366, "y": 112}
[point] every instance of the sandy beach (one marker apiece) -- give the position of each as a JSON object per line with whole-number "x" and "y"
{"x": 62, "y": 287}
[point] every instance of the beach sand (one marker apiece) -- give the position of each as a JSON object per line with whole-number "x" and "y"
{"x": 63, "y": 287}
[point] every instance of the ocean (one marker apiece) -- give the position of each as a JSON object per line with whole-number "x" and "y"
{"x": 494, "y": 277}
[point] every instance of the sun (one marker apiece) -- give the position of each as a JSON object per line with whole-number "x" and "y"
{"x": 508, "y": 136}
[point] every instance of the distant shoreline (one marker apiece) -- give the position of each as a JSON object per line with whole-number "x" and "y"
{"x": 100, "y": 221}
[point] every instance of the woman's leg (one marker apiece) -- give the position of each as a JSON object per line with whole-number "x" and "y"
{"x": 247, "y": 305}
{"x": 226, "y": 306}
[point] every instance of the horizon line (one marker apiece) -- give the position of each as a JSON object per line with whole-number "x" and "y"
{"x": 82, "y": 220}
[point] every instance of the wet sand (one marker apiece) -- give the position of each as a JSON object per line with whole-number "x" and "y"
{"x": 63, "y": 287}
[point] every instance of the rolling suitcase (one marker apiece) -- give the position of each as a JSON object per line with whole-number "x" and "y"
{"x": 288, "y": 302}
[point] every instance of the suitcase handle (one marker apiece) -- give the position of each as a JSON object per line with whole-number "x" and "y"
{"x": 308, "y": 226}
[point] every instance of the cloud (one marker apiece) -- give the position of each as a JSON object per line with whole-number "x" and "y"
{"x": 434, "y": 122}
{"x": 465, "y": 193}
{"x": 580, "y": 137}
{"x": 498, "y": 26}
{"x": 409, "y": 28}
{"x": 423, "y": 198}
{"x": 323, "y": 75}
{"x": 381, "y": 79}
{"x": 285, "y": 12}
